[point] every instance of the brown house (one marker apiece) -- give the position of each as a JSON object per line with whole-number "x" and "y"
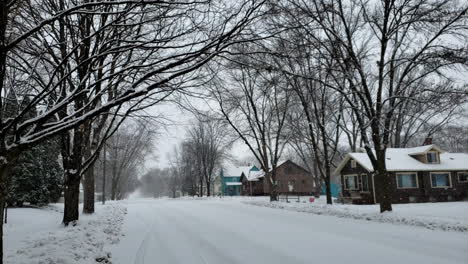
{"x": 291, "y": 179}
{"x": 420, "y": 174}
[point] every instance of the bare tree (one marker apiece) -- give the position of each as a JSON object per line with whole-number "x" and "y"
{"x": 170, "y": 47}
{"x": 380, "y": 52}
{"x": 453, "y": 137}
{"x": 185, "y": 170}
{"x": 208, "y": 143}
{"x": 126, "y": 152}
{"x": 183, "y": 165}
{"x": 255, "y": 104}
{"x": 322, "y": 107}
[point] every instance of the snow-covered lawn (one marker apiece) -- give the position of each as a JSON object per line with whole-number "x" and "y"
{"x": 36, "y": 235}
{"x": 450, "y": 216}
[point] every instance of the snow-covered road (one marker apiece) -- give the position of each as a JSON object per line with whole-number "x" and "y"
{"x": 227, "y": 231}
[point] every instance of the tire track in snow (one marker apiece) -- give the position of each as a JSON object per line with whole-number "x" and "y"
{"x": 152, "y": 248}
{"x": 242, "y": 248}
{"x": 203, "y": 249}
{"x": 158, "y": 245}
{"x": 141, "y": 252}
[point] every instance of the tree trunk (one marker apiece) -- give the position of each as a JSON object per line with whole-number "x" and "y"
{"x": 3, "y": 193}
{"x": 114, "y": 180}
{"x": 4, "y": 10}
{"x": 88, "y": 191}
{"x": 113, "y": 188}
{"x": 200, "y": 194}
{"x": 273, "y": 187}
{"x": 104, "y": 177}
{"x": 328, "y": 190}
{"x": 208, "y": 190}
{"x": 104, "y": 174}
{"x": 384, "y": 188}
{"x": 274, "y": 193}
{"x": 2, "y": 203}
{"x": 6, "y": 162}
{"x": 72, "y": 197}
{"x": 328, "y": 182}
{"x": 318, "y": 181}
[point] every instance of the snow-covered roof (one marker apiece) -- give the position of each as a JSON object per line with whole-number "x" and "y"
{"x": 422, "y": 149}
{"x": 233, "y": 183}
{"x": 236, "y": 171}
{"x": 255, "y": 175}
{"x": 402, "y": 159}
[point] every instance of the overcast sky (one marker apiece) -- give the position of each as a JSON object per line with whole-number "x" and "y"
{"x": 173, "y": 131}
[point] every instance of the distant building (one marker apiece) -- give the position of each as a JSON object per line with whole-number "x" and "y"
{"x": 290, "y": 177}
{"x": 230, "y": 176}
{"x": 420, "y": 174}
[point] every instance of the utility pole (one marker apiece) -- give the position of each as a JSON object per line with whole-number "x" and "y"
{"x": 104, "y": 176}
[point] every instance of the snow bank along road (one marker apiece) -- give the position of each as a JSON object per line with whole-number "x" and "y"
{"x": 35, "y": 236}
{"x": 210, "y": 231}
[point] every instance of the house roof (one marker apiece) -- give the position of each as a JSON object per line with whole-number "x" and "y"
{"x": 236, "y": 171}
{"x": 422, "y": 149}
{"x": 254, "y": 175}
{"x": 401, "y": 159}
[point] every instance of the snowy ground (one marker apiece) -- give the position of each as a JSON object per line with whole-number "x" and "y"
{"x": 451, "y": 216}
{"x": 228, "y": 230}
{"x": 36, "y": 235}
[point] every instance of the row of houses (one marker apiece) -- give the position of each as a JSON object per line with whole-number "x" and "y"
{"x": 421, "y": 174}
{"x": 250, "y": 180}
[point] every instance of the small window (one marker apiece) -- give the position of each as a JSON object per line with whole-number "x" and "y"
{"x": 463, "y": 177}
{"x": 303, "y": 181}
{"x": 365, "y": 182}
{"x": 407, "y": 180}
{"x": 353, "y": 164}
{"x": 291, "y": 185}
{"x": 432, "y": 157}
{"x": 440, "y": 179}
{"x": 351, "y": 182}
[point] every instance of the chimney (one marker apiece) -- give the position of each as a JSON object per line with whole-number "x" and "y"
{"x": 427, "y": 141}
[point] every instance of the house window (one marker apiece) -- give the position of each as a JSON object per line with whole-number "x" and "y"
{"x": 351, "y": 182}
{"x": 365, "y": 182}
{"x": 463, "y": 177}
{"x": 407, "y": 180}
{"x": 353, "y": 164}
{"x": 432, "y": 157}
{"x": 440, "y": 180}
{"x": 291, "y": 185}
